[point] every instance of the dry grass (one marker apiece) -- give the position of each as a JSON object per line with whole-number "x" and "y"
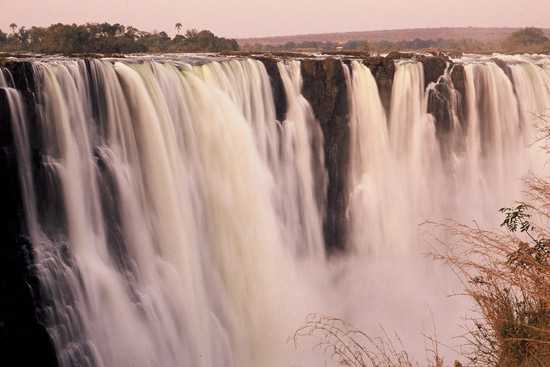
{"x": 507, "y": 274}
{"x": 346, "y": 346}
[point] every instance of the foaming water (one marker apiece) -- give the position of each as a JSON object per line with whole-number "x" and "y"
{"x": 176, "y": 222}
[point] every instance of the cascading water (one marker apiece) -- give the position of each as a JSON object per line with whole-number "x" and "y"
{"x": 175, "y": 222}
{"x": 302, "y": 177}
{"x": 395, "y": 165}
{"x": 488, "y": 150}
{"x": 369, "y": 169}
{"x": 160, "y": 243}
{"x": 402, "y": 174}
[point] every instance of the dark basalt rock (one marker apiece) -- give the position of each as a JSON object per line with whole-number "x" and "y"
{"x": 458, "y": 76}
{"x": 505, "y": 67}
{"x": 383, "y": 70}
{"x": 445, "y": 101}
{"x": 277, "y": 86}
{"x": 325, "y": 89}
{"x": 439, "y": 105}
{"x": 434, "y": 67}
{"x": 23, "y": 338}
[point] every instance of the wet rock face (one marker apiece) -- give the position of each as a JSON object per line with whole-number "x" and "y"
{"x": 279, "y": 95}
{"x": 439, "y": 105}
{"x": 447, "y": 98}
{"x": 446, "y": 102}
{"x": 325, "y": 89}
{"x": 504, "y": 66}
{"x": 23, "y": 338}
{"x": 434, "y": 67}
{"x": 383, "y": 70}
{"x": 458, "y": 77}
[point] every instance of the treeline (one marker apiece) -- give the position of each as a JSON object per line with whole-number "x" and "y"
{"x": 311, "y": 45}
{"x": 377, "y": 47}
{"x": 108, "y": 38}
{"x": 531, "y": 40}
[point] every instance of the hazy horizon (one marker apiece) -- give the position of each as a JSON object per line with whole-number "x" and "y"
{"x": 263, "y": 18}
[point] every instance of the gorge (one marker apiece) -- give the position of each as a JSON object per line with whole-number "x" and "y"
{"x": 186, "y": 210}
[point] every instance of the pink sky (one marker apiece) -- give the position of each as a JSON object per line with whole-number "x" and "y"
{"x": 244, "y": 18}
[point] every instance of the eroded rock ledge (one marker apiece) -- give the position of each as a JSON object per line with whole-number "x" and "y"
{"x": 326, "y": 90}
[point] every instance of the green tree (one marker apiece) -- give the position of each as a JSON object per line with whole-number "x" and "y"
{"x": 3, "y": 37}
{"x": 108, "y": 38}
{"x": 527, "y": 37}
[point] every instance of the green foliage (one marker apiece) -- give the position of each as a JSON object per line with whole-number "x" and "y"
{"x": 517, "y": 219}
{"x": 513, "y": 296}
{"x": 3, "y": 38}
{"x": 537, "y": 250}
{"x": 108, "y": 38}
{"x": 529, "y": 36}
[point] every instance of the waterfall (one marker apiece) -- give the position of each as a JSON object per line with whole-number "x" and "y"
{"x": 403, "y": 173}
{"x": 302, "y": 175}
{"x": 371, "y": 156}
{"x": 395, "y": 164}
{"x": 160, "y": 239}
{"x": 398, "y": 169}
{"x": 175, "y": 222}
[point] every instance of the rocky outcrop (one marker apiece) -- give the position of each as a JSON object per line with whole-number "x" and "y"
{"x": 383, "y": 70}
{"x": 325, "y": 89}
{"x": 446, "y": 95}
{"x": 434, "y": 67}
{"x": 504, "y": 66}
{"x": 441, "y": 99}
{"x": 458, "y": 77}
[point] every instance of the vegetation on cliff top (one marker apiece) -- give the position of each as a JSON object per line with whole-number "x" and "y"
{"x": 105, "y": 38}
{"x": 531, "y": 40}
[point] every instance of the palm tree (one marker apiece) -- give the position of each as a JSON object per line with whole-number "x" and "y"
{"x": 13, "y": 27}
{"x": 178, "y": 27}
